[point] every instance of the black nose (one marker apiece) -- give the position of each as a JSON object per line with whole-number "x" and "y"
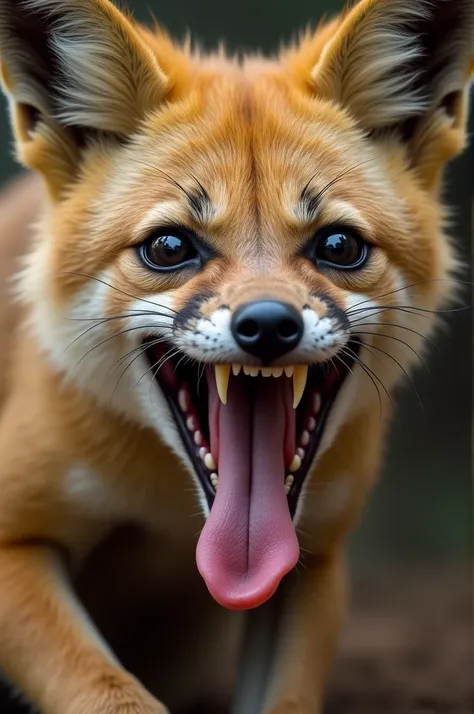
{"x": 267, "y": 329}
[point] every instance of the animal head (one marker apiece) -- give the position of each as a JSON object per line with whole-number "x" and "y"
{"x": 240, "y": 254}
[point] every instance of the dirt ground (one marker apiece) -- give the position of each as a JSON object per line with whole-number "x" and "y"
{"x": 407, "y": 648}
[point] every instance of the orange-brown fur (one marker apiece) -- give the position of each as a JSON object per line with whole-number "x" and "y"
{"x": 254, "y": 134}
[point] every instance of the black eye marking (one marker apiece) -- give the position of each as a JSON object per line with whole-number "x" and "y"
{"x": 191, "y": 311}
{"x": 334, "y": 313}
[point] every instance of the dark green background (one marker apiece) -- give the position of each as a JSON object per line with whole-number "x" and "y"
{"x": 422, "y": 507}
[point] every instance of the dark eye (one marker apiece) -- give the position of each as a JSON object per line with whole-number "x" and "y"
{"x": 341, "y": 248}
{"x": 167, "y": 250}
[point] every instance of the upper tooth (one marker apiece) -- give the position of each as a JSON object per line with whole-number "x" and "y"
{"x": 253, "y": 371}
{"x": 289, "y": 371}
{"x": 266, "y": 371}
{"x": 300, "y": 376}
{"x": 316, "y": 402}
{"x": 222, "y": 381}
{"x": 236, "y": 369}
{"x": 246, "y": 369}
{"x": 183, "y": 400}
{"x": 277, "y": 371}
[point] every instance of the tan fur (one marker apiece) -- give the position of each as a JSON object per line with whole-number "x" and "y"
{"x": 82, "y": 455}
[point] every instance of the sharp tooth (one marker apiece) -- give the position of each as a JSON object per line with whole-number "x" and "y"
{"x": 209, "y": 462}
{"x": 197, "y": 438}
{"x": 266, "y": 371}
{"x": 214, "y": 479}
{"x": 311, "y": 424}
{"x": 289, "y": 371}
{"x": 277, "y": 371}
{"x": 300, "y": 376}
{"x": 191, "y": 423}
{"x": 236, "y": 369}
{"x": 222, "y": 381}
{"x": 304, "y": 438}
{"x": 295, "y": 464}
{"x": 253, "y": 371}
{"x": 289, "y": 481}
{"x": 301, "y": 453}
{"x": 202, "y": 452}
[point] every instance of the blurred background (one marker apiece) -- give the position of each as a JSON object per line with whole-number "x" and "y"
{"x": 419, "y": 517}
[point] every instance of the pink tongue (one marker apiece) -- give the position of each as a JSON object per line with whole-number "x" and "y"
{"x": 249, "y": 542}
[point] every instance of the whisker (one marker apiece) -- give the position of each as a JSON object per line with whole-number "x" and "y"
{"x": 119, "y": 290}
{"x": 401, "y": 327}
{"x": 373, "y": 347}
{"x": 407, "y": 287}
{"x": 396, "y": 339}
{"x": 156, "y": 325}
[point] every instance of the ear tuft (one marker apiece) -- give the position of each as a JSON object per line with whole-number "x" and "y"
{"x": 80, "y": 63}
{"x": 393, "y": 60}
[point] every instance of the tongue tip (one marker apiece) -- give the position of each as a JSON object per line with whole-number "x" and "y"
{"x": 244, "y": 593}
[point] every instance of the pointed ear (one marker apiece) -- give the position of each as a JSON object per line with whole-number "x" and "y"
{"x": 404, "y": 65}
{"x": 72, "y": 66}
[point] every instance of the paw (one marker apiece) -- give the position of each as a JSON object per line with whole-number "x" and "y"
{"x": 114, "y": 693}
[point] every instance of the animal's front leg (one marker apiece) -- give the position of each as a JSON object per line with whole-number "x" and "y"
{"x": 50, "y": 649}
{"x": 314, "y": 601}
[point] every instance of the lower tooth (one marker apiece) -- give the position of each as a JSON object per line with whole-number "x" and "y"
{"x": 191, "y": 423}
{"x": 296, "y": 463}
{"x": 311, "y": 424}
{"x": 202, "y": 452}
{"x": 304, "y": 438}
{"x": 197, "y": 438}
{"x": 209, "y": 462}
{"x": 214, "y": 479}
{"x": 289, "y": 481}
{"x": 301, "y": 453}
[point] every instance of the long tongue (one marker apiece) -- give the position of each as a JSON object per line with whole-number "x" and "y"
{"x": 249, "y": 542}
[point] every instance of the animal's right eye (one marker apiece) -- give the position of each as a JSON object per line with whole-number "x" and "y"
{"x": 168, "y": 250}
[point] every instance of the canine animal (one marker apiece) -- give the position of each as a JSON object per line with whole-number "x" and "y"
{"x": 228, "y": 273}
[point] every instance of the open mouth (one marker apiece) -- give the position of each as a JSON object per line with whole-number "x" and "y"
{"x": 252, "y": 434}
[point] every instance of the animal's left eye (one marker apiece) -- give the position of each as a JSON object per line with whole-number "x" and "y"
{"x": 340, "y": 248}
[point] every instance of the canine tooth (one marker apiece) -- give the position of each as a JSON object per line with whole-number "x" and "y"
{"x": 300, "y": 375}
{"x": 253, "y": 371}
{"x": 236, "y": 369}
{"x": 311, "y": 424}
{"x": 191, "y": 423}
{"x": 183, "y": 400}
{"x": 197, "y": 438}
{"x": 209, "y": 462}
{"x": 316, "y": 403}
{"x": 304, "y": 438}
{"x": 277, "y": 371}
{"x": 295, "y": 464}
{"x": 214, "y": 479}
{"x": 289, "y": 481}
{"x": 222, "y": 381}
{"x": 289, "y": 371}
{"x": 267, "y": 371}
{"x": 301, "y": 453}
{"x": 202, "y": 452}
